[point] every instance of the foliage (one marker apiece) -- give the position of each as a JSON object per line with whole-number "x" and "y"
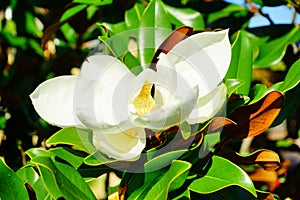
{"x": 43, "y": 39}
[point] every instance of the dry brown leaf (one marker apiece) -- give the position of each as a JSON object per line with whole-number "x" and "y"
{"x": 254, "y": 119}
{"x": 268, "y": 159}
{"x": 177, "y": 36}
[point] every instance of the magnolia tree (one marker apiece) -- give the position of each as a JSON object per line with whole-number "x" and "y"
{"x": 162, "y": 108}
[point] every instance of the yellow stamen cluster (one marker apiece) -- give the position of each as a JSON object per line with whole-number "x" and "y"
{"x": 144, "y": 103}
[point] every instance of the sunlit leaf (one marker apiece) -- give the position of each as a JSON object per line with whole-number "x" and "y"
{"x": 61, "y": 179}
{"x": 272, "y": 52}
{"x": 172, "y": 180}
{"x": 292, "y": 78}
{"x": 156, "y": 18}
{"x": 241, "y": 63}
{"x": 219, "y": 173}
{"x": 94, "y": 2}
{"x": 268, "y": 159}
{"x": 133, "y": 16}
{"x": 72, "y": 136}
{"x": 12, "y": 186}
{"x": 72, "y": 11}
{"x": 29, "y": 175}
{"x": 185, "y": 17}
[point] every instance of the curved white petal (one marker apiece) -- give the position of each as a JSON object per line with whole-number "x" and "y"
{"x": 100, "y": 100}
{"x": 208, "y": 106}
{"x": 53, "y": 101}
{"x": 172, "y": 113}
{"x": 126, "y": 145}
{"x": 202, "y": 59}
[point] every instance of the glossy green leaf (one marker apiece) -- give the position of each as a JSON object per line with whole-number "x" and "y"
{"x": 185, "y": 17}
{"x": 226, "y": 12}
{"x": 97, "y": 158}
{"x": 61, "y": 179}
{"x": 292, "y": 78}
{"x": 116, "y": 28}
{"x": 163, "y": 160}
{"x": 141, "y": 183}
{"x": 132, "y": 63}
{"x": 12, "y": 187}
{"x": 173, "y": 179}
{"x": 31, "y": 26}
{"x": 232, "y": 85}
{"x": 80, "y": 139}
{"x": 219, "y": 173}
{"x": 241, "y": 63}
{"x": 133, "y": 16}
{"x": 94, "y": 2}
{"x": 72, "y": 11}
{"x": 272, "y": 52}
{"x": 260, "y": 90}
{"x": 185, "y": 129}
{"x": 152, "y": 33}
{"x": 35, "y": 152}
{"x": 29, "y": 175}
{"x": 69, "y": 155}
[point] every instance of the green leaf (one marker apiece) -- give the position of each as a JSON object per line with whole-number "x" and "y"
{"x": 94, "y": 2}
{"x": 97, "y": 158}
{"x": 226, "y": 12}
{"x": 12, "y": 187}
{"x": 133, "y": 16}
{"x": 80, "y": 139}
{"x": 241, "y": 63}
{"x": 232, "y": 85}
{"x": 260, "y": 90}
{"x": 116, "y": 28}
{"x": 219, "y": 173}
{"x": 68, "y": 155}
{"x": 163, "y": 160}
{"x": 185, "y": 17}
{"x": 132, "y": 63}
{"x": 291, "y": 101}
{"x": 173, "y": 179}
{"x": 72, "y": 11}
{"x": 141, "y": 183}
{"x": 61, "y": 179}
{"x": 152, "y": 33}
{"x": 185, "y": 129}
{"x": 292, "y": 78}
{"x": 272, "y": 52}
{"x": 29, "y": 175}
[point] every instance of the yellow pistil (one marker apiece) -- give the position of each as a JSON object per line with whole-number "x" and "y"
{"x": 144, "y": 103}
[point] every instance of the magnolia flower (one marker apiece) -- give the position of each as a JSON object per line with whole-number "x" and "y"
{"x": 117, "y": 106}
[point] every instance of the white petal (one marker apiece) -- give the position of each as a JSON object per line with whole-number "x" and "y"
{"x": 208, "y": 106}
{"x": 202, "y": 59}
{"x": 100, "y": 101}
{"x": 126, "y": 145}
{"x": 53, "y": 101}
{"x": 172, "y": 113}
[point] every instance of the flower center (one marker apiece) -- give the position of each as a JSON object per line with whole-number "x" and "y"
{"x": 144, "y": 103}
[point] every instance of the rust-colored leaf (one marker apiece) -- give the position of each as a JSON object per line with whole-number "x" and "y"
{"x": 263, "y": 176}
{"x": 177, "y": 36}
{"x": 254, "y": 119}
{"x": 268, "y": 159}
{"x": 217, "y": 124}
